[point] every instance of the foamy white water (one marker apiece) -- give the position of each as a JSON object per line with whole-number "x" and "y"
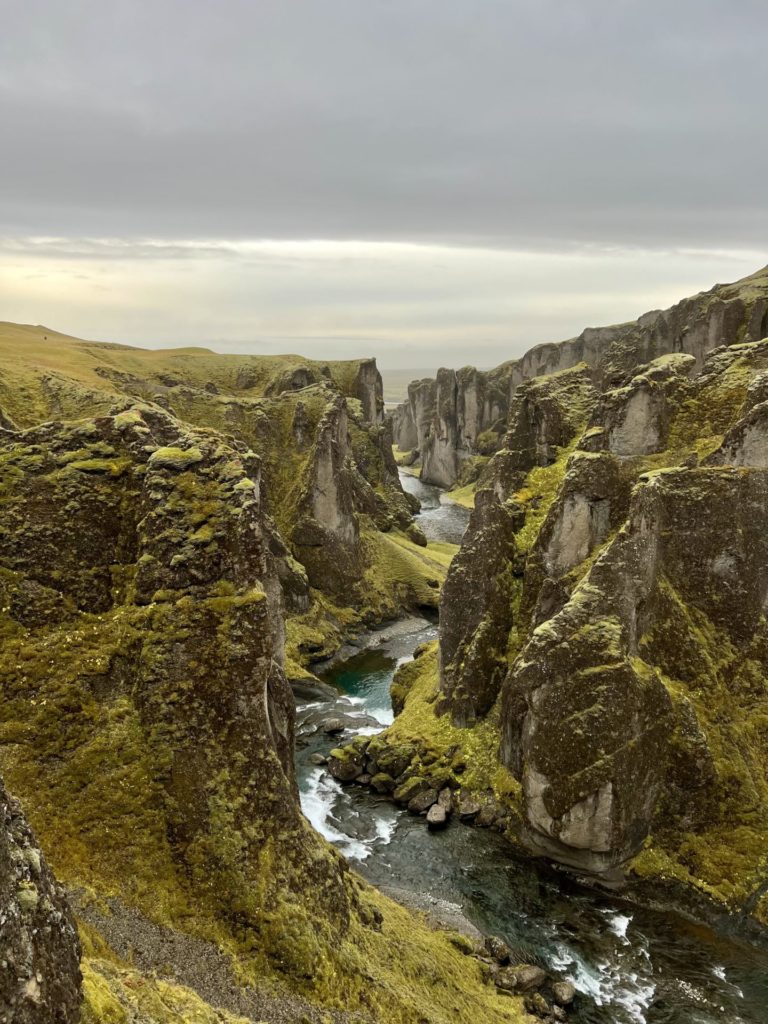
{"x": 319, "y": 800}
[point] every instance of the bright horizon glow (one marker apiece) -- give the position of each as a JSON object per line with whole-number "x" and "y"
{"x": 410, "y": 304}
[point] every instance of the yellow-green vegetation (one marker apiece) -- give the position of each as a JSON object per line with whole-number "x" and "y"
{"x": 399, "y": 575}
{"x": 703, "y": 418}
{"x": 464, "y": 496}
{"x": 41, "y": 366}
{"x": 403, "y": 460}
{"x": 134, "y": 728}
{"x": 420, "y": 973}
{"x": 474, "y": 751}
{"x": 316, "y": 633}
{"x": 392, "y": 965}
{"x": 539, "y": 490}
{"x": 726, "y": 854}
{"x": 115, "y": 994}
{"x": 402, "y": 574}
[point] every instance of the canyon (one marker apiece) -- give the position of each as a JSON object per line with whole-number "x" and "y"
{"x": 186, "y": 536}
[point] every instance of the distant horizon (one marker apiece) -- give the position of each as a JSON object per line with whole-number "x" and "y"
{"x": 549, "y": 308}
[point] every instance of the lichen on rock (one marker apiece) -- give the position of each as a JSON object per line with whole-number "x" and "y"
{"x": 39, "y": 949}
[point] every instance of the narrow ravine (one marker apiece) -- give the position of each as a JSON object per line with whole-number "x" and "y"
{"x": 634, "y": 966}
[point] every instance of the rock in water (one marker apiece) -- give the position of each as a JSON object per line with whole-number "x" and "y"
{"x": 498, "y": 949}
{"x": 422, "y": 801}
{"x": 39, "y": 949}
{"x": 563, "y": 992}
{"x": 521, "y": 978}
{"x": 436, "y": 817}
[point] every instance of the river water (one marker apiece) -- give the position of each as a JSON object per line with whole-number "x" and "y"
{"x": 634, "y": 966}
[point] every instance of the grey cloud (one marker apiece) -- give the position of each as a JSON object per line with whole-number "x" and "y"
{"x": 533, "y": 123}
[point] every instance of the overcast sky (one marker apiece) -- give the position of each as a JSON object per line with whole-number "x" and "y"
{"x": 431, "y": 181}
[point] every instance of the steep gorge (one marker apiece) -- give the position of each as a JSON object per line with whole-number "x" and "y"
{"x": 598, "y": 693}
{"x": 161, "y": 545}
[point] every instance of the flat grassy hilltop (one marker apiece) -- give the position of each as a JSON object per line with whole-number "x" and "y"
{"x": 43, "y": 371}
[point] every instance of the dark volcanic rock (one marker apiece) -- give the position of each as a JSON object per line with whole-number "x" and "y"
{"x": 422, "y": 801}
{"x": 39, "y": 948}
{"x": 150, "y": 539}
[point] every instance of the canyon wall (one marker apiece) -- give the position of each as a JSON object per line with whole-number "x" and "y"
{"x": 598, "y": 691}
{"x": 180, "y": 535}
{"x": 462, "y": 413}
{"x": 40, "y": 976}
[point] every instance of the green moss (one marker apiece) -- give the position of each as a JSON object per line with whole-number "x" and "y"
{"x": 725, "y": 856}
{"x": 400, "y": 574}
{"x": 119, "y": 994}
{"x": 464, "y": 496}
{"x": 537, "y": 494}
{"x": 175, "y": 458}
{"x": 418, "y": 726}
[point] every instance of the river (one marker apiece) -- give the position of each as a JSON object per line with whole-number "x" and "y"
{"x": 634, "y": 966}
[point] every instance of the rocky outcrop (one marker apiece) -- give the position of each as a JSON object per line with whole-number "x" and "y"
{"x": 147, "y": 624}
{"x": 595, "y": 698}
{"x": 448, "y": 419}
{"x": 603, "y": 630}
{"x": 484, "y": 581}
{"x": 462, "y": 413}
{"x": 146, "y": 561}
{"x": 367, "y": 387}
{"x": 326, "y": 455}
{"x": 603, "y": 714}
{"x": 39, "y": 949}
{"x": 326, "y": 537}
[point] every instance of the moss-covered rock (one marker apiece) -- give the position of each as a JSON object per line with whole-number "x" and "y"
{"x": 39, "y": 949}
{"x": 459, "y": 414}
{"x": 612, "y": 585}
{"x": 146, "y": 721}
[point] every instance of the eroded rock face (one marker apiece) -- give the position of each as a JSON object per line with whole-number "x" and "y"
{"x": 587, "y": 715}
{"x": 326, "y": 536}
{"x": 476, "y": 610}
{"x": 139, "y": 549}
{"x": 444, "y": 418}
{"x": 625, "y": 610}
{"x": 39, "y": 948}
{"x": 367, "y": 386}
{"x": 478, "y": 599}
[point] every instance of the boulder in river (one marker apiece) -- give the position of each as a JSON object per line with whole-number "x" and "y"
{"x": 422, "y": 802}
{"x": 410, "y": 788}
{"x": 383, "y": 783}
{"x": 469, "y": 808}
{"x": 498, "y": 949}
{"x": 310, "y": 689}
{"x": 436, "y": 817}
{"x": 521, "y": 978}
{"x": 334, "y": 725}
{"x": 563, "y": 992}
{"x": 345, "y": 764}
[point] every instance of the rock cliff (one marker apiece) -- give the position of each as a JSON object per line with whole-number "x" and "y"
{"x": 147, "y": 563}
{"x": 39, "y": 948}
{"x": 599, "y": 688}
{"x": 463, "y": 413}
{"x": 330, "y": 480}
